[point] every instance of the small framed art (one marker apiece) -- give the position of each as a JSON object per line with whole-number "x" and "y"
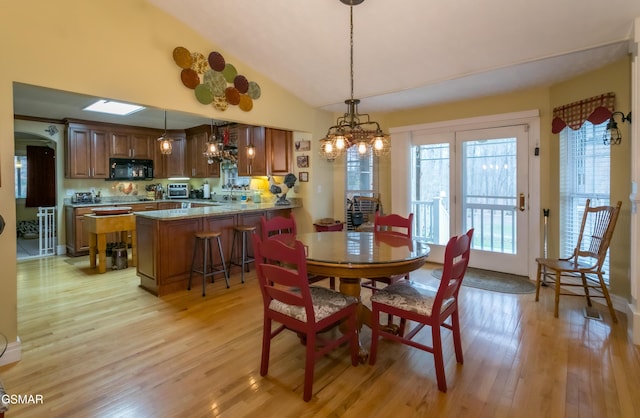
{"x": 302, "y": 145}
{"x": 302, "y": 161}
{"x": 304, "y": 176}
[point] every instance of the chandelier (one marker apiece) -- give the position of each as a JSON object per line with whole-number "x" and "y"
{"x": 353, "y": 128}
{"x": 165, "y": 142}
{"x": 215, "y": 151}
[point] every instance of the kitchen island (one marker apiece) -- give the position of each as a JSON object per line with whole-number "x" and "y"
{"x": 166, "y": 239}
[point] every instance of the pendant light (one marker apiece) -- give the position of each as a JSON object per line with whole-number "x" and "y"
{"x": 353, "y": 128}
{"x": 212, "y": 150}
{"x": 166, "y": 143}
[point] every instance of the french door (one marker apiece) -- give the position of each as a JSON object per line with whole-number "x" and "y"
{"x": 474, "y": 179}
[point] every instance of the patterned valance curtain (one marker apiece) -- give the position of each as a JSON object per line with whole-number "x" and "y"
{"x": 596, "y": 109}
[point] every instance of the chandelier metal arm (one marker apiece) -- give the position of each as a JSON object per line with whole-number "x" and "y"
{"x": 352, "y": 127}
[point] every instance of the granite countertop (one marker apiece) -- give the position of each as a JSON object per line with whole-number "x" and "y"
{"x": 211, "y": 208}
{"x": 214, "y": 209}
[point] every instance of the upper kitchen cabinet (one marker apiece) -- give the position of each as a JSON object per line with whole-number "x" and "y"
{"x": 279, "y": 144}
{"x": 86, "y": 152}
{"x": 251, "y": 135}
{"x": 171, "y": 165}
{"x": 197, "y": 164}
{"x": 132, "y": 143}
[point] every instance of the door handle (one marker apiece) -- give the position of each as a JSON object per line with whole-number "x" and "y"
{"x": 522, "y": 202}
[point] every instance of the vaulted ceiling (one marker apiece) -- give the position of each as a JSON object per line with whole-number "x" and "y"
{"x": 409, "y": 53}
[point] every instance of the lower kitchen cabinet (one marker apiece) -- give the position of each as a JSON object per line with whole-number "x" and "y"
{"x": 76, "y": 237}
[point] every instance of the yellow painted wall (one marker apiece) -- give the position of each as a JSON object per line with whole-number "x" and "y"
{"x": 119, "y": 49}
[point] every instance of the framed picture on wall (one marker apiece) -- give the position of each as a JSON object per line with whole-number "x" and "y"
{"x": 304, "y": 176}
{"x": 302, "y": 161}
{"x": 302, "y": 145}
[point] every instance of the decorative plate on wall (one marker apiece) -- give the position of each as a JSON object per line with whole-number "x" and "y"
{"x": 214, "y": 80}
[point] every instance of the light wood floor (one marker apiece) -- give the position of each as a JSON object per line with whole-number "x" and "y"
{"x": 99, "y": 346}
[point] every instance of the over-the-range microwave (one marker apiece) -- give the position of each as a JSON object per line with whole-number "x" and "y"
{"x": 130, "y": 169}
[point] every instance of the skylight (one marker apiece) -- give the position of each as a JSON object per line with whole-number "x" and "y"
{"x": 113, "y": 107}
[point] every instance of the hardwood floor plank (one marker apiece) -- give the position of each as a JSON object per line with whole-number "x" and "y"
{"x": 99, "y": 345}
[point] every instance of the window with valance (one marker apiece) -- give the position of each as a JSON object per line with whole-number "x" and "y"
{"x": 596, "y": 109}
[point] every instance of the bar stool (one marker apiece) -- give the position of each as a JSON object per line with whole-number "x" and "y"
{"x": 204, "y": 240}
{"x": 245, "y": 260}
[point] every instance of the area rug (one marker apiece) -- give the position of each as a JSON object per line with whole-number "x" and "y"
{"x": 494, "y": 281}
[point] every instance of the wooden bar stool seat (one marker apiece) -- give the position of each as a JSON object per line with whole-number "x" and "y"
{"x": 245, "y": 259}
{"x": 208, "y": 269}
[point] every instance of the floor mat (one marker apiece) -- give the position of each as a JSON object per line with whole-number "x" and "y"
{"x": 494, "y": 281}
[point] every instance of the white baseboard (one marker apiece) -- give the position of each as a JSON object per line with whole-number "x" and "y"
{"x": 633, "y": 328}
{"x": 61, "y": 249}
{"x": 13, "y": 353}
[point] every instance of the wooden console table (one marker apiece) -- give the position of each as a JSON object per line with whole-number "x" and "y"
{"x": 99, "y": 226}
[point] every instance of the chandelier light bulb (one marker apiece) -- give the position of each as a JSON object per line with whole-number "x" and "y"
{"x": 341, "y": 143}
{"x": 328, "y": 148}
{"x": 378, "y": 144}
{"x": 362, "y": 147}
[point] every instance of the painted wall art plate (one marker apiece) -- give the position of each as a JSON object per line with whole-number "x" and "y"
{"x": 182, "y": 57}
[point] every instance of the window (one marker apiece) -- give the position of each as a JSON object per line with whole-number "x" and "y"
{"x": 361, "y": 179}
{"x": 20, "y": 164}
{"x": 584, "y": 174}
{"x": 430, "y": 192}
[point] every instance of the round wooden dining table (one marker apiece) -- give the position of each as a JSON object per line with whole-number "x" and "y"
{"x": 352, "y": 256}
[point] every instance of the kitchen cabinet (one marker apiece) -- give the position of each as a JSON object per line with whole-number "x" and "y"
{"x": 77, "y": 239}
{"x": 165, "y": 245}
{"x": 279, "y": 146}
{"x": 255, "y": 135}
{"x": 86, "y": 152}
{"x": 171, "y": 165}
{"x": 128, "y": 143}
{"x": 169, "y": 205}
{"x": 197, "y": 164}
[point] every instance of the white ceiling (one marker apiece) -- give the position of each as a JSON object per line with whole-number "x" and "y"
{"x": 410, "y": 53}
{"x": 407, "y": 53}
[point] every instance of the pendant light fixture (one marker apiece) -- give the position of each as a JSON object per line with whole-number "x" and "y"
{"x": 353, "y": 128}
{"x": 251, "y": 151}
{"x": 212, "y": 149}
{"x": 166, "y": 143}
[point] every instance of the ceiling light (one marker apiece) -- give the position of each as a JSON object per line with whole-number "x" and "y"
{"x": 166, "y": 143}
{"x": 353, "y": 128}
{"x": 113, "y": 107}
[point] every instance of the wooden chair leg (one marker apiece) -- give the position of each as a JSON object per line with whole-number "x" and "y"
{"x": 266, "y": 347}
{"x": 605, "y": 292}
{"x": 309, "y": 366}
{"x": 457, "y": 341}
{"x": 586, "y": 288}
{"x": 557, "y": 302}
{"x": 538, "y": 280}
{"x": 438, "y": 358}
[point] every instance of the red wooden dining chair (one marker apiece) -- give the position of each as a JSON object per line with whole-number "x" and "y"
{"x": 396, "y": 224}
{"x": 426, "y": 305}
{"x": 307, "y": 310}
{"x": 279, "y": 225}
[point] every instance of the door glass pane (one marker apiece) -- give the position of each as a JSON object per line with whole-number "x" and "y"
{"x": 430, "y": 192}
{"x": 489, "y": 193}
